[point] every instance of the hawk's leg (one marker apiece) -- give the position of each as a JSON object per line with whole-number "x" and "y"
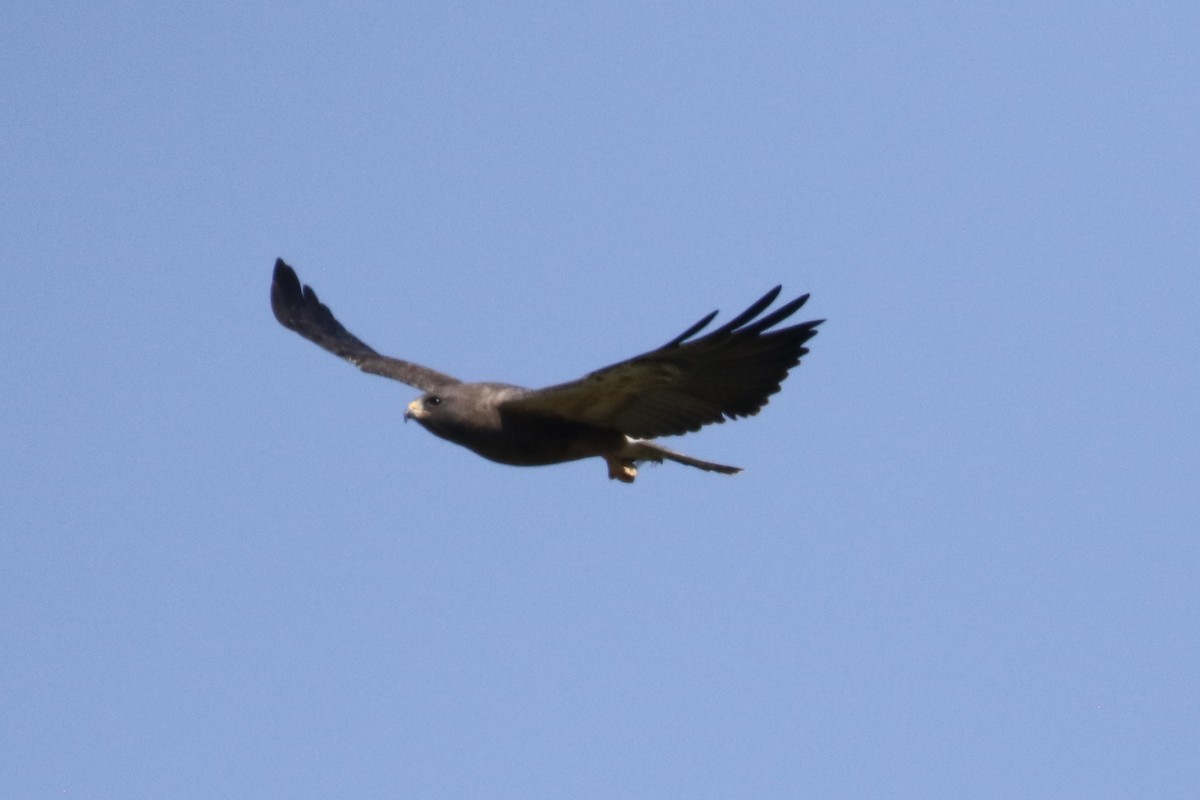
{"x": 621, "y": 469}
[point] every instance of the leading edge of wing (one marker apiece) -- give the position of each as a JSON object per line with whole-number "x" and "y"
{"x": 298, "y": 309}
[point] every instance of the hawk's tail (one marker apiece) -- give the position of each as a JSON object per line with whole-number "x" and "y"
{"x": 642, "y": 450}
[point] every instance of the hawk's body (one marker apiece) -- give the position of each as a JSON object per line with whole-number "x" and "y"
{"x": 681, "y": 386}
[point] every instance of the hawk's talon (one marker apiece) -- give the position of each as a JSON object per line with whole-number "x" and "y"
{"x": 621, "y": 469}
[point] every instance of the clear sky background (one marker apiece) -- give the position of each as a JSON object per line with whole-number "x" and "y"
{"x": 962, "y": 561}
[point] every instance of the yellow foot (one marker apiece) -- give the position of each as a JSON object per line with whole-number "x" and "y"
{"x": 622, "y": 470}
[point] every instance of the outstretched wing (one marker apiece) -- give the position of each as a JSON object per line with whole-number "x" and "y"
{"x": 297, "y": 308}
{"x": 688, "y": 382}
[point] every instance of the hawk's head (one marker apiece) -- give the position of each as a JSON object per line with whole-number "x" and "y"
{"x": 460, "y": 410}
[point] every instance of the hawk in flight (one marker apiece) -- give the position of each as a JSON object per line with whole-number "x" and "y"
{"x": 613, "y": 413}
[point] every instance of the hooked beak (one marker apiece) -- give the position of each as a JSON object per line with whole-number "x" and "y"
{"x": 414, "y": 411}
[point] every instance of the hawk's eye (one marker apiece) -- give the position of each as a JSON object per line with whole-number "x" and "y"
{"x": 433, "y": 400}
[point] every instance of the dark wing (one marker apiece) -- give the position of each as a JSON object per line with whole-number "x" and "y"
{"x": 688, "y": 382}
{"x": 297, "y": 308}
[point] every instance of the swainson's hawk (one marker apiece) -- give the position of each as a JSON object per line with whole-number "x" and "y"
{"x": 612, "y": 413}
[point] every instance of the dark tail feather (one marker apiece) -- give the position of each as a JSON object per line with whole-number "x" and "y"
{"x": 642, "y": 450}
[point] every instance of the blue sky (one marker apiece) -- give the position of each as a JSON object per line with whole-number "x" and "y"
{"x": 962, "y": 560}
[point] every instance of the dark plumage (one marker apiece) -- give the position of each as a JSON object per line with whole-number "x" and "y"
{"x": 689, "y": 382}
